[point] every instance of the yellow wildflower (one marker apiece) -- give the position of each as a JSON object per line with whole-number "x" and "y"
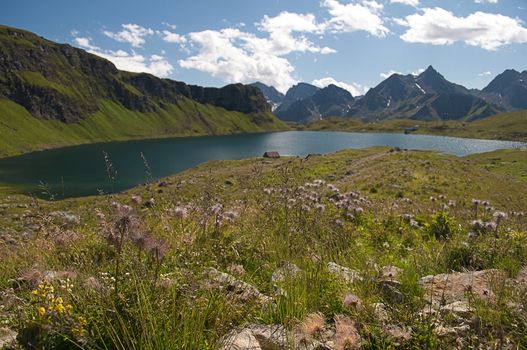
{"x": 41, "y": 311}
{"x": 60, "y": 308}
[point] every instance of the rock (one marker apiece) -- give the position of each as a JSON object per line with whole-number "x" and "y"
{"x": 65, "y": 219}
{"x": 271, "y": 154}
{"x": 235, "y": 287}
{"x": 256, "y": 337}
{"x": 7, "y": 337}
{"x": 287, "y": 270}
{"x": 391, "y": 291}
{"x": 521, "y": 277}
{"x": 236, "y": 269}
{"x": 163, "y": 184}
{"x": 452, "y": 332}
{"x": 381, "y": 312}
{"x": 445, "y": 289}
{"x": 344, "y": 273}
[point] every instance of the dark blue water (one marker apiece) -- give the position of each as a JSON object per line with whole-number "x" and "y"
{"x": 81, "y": 170}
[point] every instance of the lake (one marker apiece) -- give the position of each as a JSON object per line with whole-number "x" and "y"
{"x": 81, "y": 170}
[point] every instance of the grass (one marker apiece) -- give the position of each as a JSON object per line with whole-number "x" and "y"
{"x": 163, "y": 299}
{"x": 505, "y": 126}
{"x": 23, "y": 133}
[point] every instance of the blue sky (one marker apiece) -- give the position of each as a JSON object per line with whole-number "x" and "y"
{"x": 354, "y": 43}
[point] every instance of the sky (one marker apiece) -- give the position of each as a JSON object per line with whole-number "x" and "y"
{"x": 354, "y": 44}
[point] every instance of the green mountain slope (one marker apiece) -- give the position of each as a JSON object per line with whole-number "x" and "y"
{"x": 54, "y": 95}
{"x": 21, "y": 132}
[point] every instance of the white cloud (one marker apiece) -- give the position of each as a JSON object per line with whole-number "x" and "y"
{"x": 132, "y": 33}
{"x": 85, "y": 43}
{"x": 155, "y": 64}
{"x": 437, "y": 26}
{"x": 486, "y": 1}
{"x": 232, "y": 55}
{"x": 418, "y": 71}
{"x": 413, "y": 3}
{"x": 354, "y": 88}
{"x": 172, "y": 37}
{"x": 389, "y": 74}
{"x": 281, "y": 40}
{"x": 485, "y": 74}
{"x": 351, "y": 17}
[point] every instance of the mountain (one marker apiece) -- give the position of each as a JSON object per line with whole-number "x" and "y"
{"x": 273, "y": 96}
{"x": 508, "y": 90}
{"x": 427, "y": 96}
{"x": 54, "y": 94}
{"x": 329, "y": 101}
{"x": 297, "y": 92}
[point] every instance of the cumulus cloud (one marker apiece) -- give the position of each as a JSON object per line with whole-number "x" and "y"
{"x": 172, "y": 37}
{"x": 132, "y": 62}
{"x": 238, "y": 56}
{"x": 356, "y": 16}
{"x": 234, "y": 56}
{"x": 354, "y": 88}
{"x": 133, "y": 34}
{"x": 413, "y": 3}
{"x": 437, "y": 26}
{"x": 485, "y": 74}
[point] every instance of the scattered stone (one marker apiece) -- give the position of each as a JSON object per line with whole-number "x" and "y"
{"x": 347, "y": 274}
{"x": 287, "y": 270}
{"x": 381, "y": 312}
{"x": 7, "y": 337}
{"x": 271, "y": 154}
{"x": 236, "y": 269}
{"x": 256, "y": 337}
{"x": 163, "y": 184}
{"x": 137, "y": 199}
{"x": 391, "y": 291}
{"x": 445, "y": 289}
{"x": 235, "y": 287}
{"x": 452, "y": 332}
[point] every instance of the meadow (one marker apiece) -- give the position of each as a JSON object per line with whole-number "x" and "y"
{"x": 376, "y": 249}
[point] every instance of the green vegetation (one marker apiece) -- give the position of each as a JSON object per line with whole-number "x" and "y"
{"x": 21, "y": 132}
{"x": 505, "y": 126}
{"x": 133, "y": 270}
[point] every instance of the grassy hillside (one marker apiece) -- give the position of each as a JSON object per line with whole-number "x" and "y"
{"x": 338, "y": 250}
{"x": 21, "y": 132}
{"x": 504, "y": 126}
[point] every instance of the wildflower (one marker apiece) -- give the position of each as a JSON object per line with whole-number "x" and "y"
{"x": 451, "y": 203}
{"x": 499, "y": 215}
{"x": 313, "y": 324}
{"x": 433, "y": 199}
{"x": 346, "y": 334}
{"x": 476, "y": 202}
{"x": 41, "y": 311}
{"x": 414, "y": 223}
{"x": 472, "y": 235}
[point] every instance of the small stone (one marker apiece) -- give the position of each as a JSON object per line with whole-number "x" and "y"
{"x": 7, "y": 337}
{"x": 287, "y": 270}
{"x": 344, "y": 273}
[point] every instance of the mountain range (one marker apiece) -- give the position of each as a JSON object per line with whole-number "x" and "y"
{"x": 427, "y": 96}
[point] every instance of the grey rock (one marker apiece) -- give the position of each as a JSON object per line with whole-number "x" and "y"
{"x": 237, "y": 288}
{"x": 287, "y": 270}
{"x": 7, "y": 337}
{"x": 344, "y": 273}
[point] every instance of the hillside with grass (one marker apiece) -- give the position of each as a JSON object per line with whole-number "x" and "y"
{"x": 54, "y": 95}
{"x": 373, "y": 249}
{"x": 504, "y": 126}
